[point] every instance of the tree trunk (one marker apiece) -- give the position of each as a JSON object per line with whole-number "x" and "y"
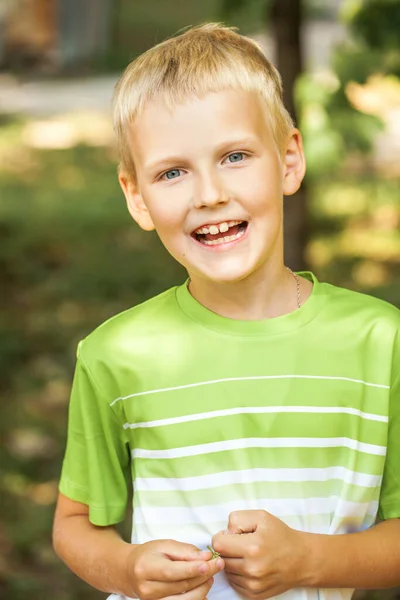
{"x": 286, "y": 20}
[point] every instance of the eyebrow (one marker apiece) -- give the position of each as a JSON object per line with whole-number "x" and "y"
{"x": 164, "y": 162}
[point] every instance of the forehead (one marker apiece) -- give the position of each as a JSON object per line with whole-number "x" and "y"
{"x": 198, "y": 123}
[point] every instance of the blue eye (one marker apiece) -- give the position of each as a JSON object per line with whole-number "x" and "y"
{"x": 172, "y": 174}
{"x": 236, "y": 157}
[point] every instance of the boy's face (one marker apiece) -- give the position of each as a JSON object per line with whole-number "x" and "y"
{"x": 208, "y": 163}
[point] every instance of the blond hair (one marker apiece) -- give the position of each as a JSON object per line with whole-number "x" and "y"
{"x": 203, "y": 59}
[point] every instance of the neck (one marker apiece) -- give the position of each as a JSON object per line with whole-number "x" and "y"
{"x": 264, "y": 295}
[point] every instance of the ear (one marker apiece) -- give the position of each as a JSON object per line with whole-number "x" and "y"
{"x": 294, "y": 164}
{"x": 135, "y": 202}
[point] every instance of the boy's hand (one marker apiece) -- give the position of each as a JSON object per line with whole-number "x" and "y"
{"x": 263, "y": 556}
{"x": 166, "y": 568}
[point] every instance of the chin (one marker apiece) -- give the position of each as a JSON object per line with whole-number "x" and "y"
{"x": 225, "y": 276}
{"x": 225, "y": 271}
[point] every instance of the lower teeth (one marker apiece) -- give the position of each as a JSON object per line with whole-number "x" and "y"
{"x": 227, "y": 238}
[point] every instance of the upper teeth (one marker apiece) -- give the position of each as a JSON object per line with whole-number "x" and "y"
{"x": 219, "y": 228}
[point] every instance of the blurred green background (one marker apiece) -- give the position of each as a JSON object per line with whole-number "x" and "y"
{"x": 70, "y": 255}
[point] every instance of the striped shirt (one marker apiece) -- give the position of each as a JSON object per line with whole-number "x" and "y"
{"x": 298, "y": 415}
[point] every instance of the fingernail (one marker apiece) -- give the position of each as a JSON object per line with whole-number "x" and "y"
{"x": 220, "y": 563}
{"x": 211, "y": 580}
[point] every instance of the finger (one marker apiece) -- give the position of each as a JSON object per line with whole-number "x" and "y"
{"x": 233, "y": 545}
{"x": 213, "y": 566}
{"x": 245, "y": 521}
{"x": 186, "y": 571}
{"x": 160, "y": 589}
{"x": 198, "y": 593}
{"x": 248, "y": 587}
{"x": 181, "y": 551}
{"x": 240, "y": 581}
{"x": 243, "y": 590}
{"x": 235, "y": 566}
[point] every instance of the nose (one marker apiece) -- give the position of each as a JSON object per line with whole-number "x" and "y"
{"x": 210, "y": 191}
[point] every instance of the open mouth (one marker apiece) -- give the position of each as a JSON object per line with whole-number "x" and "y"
{"x": 221, "y": 233}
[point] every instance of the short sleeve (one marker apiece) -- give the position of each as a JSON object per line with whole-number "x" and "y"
{"x": 96, "y": 466}
{"x": 389, "y": 503}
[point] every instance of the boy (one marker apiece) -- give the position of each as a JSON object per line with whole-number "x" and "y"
{"x": 250, "y": 400}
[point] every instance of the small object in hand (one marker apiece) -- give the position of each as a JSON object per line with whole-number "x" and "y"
{"x": 213, "y": 552}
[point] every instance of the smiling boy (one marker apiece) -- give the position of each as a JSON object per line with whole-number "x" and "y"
{"x": 251, "y": 406}
{"x": 207, "y": 164}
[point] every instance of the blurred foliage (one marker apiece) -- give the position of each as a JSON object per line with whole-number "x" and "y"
{"x": 139, "y": 25}
{"x": 252, "y": 15}
{"x": 377, "y": 23}
{"x": 249, "y": 15}
{"x": 332, "y": 125}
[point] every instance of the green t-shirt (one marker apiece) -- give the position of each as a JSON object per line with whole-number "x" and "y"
{"x": 298, "y": 415}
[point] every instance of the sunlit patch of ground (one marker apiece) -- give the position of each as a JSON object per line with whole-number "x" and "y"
{"x": 69, "y": 130}
{"x": 21, "y": 138}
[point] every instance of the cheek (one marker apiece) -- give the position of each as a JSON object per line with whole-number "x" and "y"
{"x": 265, "y": 198}
{"x": 167, "y": 212}
{"x": 262, "y": 187}
{"x": 166, "y": 221}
